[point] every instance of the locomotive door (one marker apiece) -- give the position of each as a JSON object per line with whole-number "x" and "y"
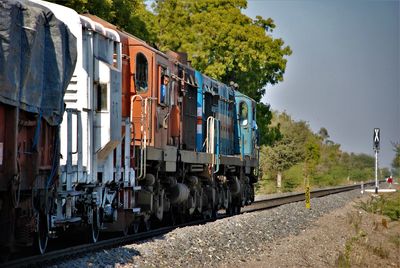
{"x": 189, "y": 120}
{"x": 164, "y": 94}
{"x": 142, "y": 104}
{"x": 107, "y": 104}
{"x": 244, "y": 109}
{"x": 210, "y": 105}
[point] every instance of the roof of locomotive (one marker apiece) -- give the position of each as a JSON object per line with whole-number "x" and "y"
{"x": 207, "y": 82}
{"x": 124, "y": 35}
{"x": 241, "y": 95}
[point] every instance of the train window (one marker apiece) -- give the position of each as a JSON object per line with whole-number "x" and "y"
{"x": 164, "y": 86}
{"x": 102, "y": 98}
{"x": 243, "y": 113}
{"x": 141, "y": 77}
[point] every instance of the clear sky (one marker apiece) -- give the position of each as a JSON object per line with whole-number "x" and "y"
{"x": 344, "y": 71}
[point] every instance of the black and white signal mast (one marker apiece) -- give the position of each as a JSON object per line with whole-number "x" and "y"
{"x": 377, "y": 138}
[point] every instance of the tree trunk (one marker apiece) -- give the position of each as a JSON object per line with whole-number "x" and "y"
{"x": 279, "y": 180}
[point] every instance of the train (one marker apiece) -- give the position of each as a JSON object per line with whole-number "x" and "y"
{"x": 101, "y": 132}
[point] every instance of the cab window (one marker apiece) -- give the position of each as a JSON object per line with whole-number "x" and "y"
{"x": 243, "y": 114}
{"x": 141, "y": 76}
{"x": 165, "y": 82}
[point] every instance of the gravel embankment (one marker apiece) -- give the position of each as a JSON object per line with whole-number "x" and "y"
{"x": 233, "y": 240}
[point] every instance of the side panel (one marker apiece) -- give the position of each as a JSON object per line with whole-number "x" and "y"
{"x": 189, "y": 119}
{"x": 199, "y": 127}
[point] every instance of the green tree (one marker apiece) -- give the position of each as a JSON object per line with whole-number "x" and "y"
{"x": 227, "y": 45}
{"x": 129, "y": 15}
{"x": 396, "y": 159}
{"x": 323, "y": 133}
{"x": 312, "y": 157}
{"x": 280, "y": 157}
{"x": 288, "y": 150}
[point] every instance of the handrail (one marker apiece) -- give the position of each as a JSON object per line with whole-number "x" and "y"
{"x": 211, "y": 146}
{"x": 144, "y": 127}
{"x": 133, "y": 99}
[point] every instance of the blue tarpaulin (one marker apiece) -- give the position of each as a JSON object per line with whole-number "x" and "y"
{"x": 37, "y": 59}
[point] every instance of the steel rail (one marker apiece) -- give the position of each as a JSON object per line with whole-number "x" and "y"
{"x": 75, "y": 251}
{"x": 300, "y": 196}
{"x": 70, "y": 252}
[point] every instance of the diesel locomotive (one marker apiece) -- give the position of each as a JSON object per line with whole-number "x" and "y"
{"x": 100, "y": 132}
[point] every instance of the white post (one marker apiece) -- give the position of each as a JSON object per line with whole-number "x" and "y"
{"x": 376, "y": 171}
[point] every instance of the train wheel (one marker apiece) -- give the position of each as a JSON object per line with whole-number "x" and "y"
{"x": 236, "y": 209}
{"x": 42, "y": 236}
{"x": 229, "y": 210}
{"x": 94, "y": 227}
{"x": 214, "y": 214}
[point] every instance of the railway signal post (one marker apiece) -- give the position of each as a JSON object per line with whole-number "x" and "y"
{"x": 376, "y": 142}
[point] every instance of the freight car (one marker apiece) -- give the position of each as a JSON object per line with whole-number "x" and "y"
{"x": 144, "y": 138}
{"x": 37, "y": 58}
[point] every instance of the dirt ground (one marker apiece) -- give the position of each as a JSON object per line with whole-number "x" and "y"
{"x": 347, "y": 237}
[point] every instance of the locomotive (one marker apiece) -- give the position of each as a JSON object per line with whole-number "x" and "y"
{"x": 135, "y": 136}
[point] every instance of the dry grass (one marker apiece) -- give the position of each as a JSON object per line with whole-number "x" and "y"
{"x": 376, "y": 238}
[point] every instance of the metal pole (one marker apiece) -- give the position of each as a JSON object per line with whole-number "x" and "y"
{"x": 376, "y": 171}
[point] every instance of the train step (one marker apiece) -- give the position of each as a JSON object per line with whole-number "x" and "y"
{"x": 69, "y": 193}
{"x": 63, "y": 221}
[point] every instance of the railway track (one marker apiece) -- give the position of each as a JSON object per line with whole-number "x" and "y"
{"x": 75, "y": 251}
{"x": 299, "y": 196}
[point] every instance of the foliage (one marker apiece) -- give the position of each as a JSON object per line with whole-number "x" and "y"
{"x": 129, "y": 15}
{"x": 300, "y": 153}
{"x": 396, "y": 159}
{"x": 387, "y": 204}
{"x": 227, "y": 45}
{"x": 312, "y": 156}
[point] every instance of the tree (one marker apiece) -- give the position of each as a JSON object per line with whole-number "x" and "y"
{"x": 323, "y": 133}
{"x": 396, "y": 159}
{"x": 226, "y": 45}
{"x": 129, "y": 15}
{"x": 312, "y": 157}
{"x": 289, "y": 149}
{"x": 280, "y": 157}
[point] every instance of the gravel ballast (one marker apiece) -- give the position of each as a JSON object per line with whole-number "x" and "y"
{"x": 227, "y": 241}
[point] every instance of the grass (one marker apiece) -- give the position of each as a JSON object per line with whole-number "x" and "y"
{"x": 395, "y": 240}
{"x": 385, "y": 204}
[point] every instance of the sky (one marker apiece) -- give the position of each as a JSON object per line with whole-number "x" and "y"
{"x": 344, "y": 71}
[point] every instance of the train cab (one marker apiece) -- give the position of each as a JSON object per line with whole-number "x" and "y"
{"x": 247, "y": 128}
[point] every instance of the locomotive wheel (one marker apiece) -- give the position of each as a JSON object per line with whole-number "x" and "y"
{"x": 236, "y": 209}
{"x": 94, "y": 228}
{"x": 214, "y": 213}
{"x": 42, "y": 236}
{"x": 229, "y": 210}
{"x": 207, "y": 214}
